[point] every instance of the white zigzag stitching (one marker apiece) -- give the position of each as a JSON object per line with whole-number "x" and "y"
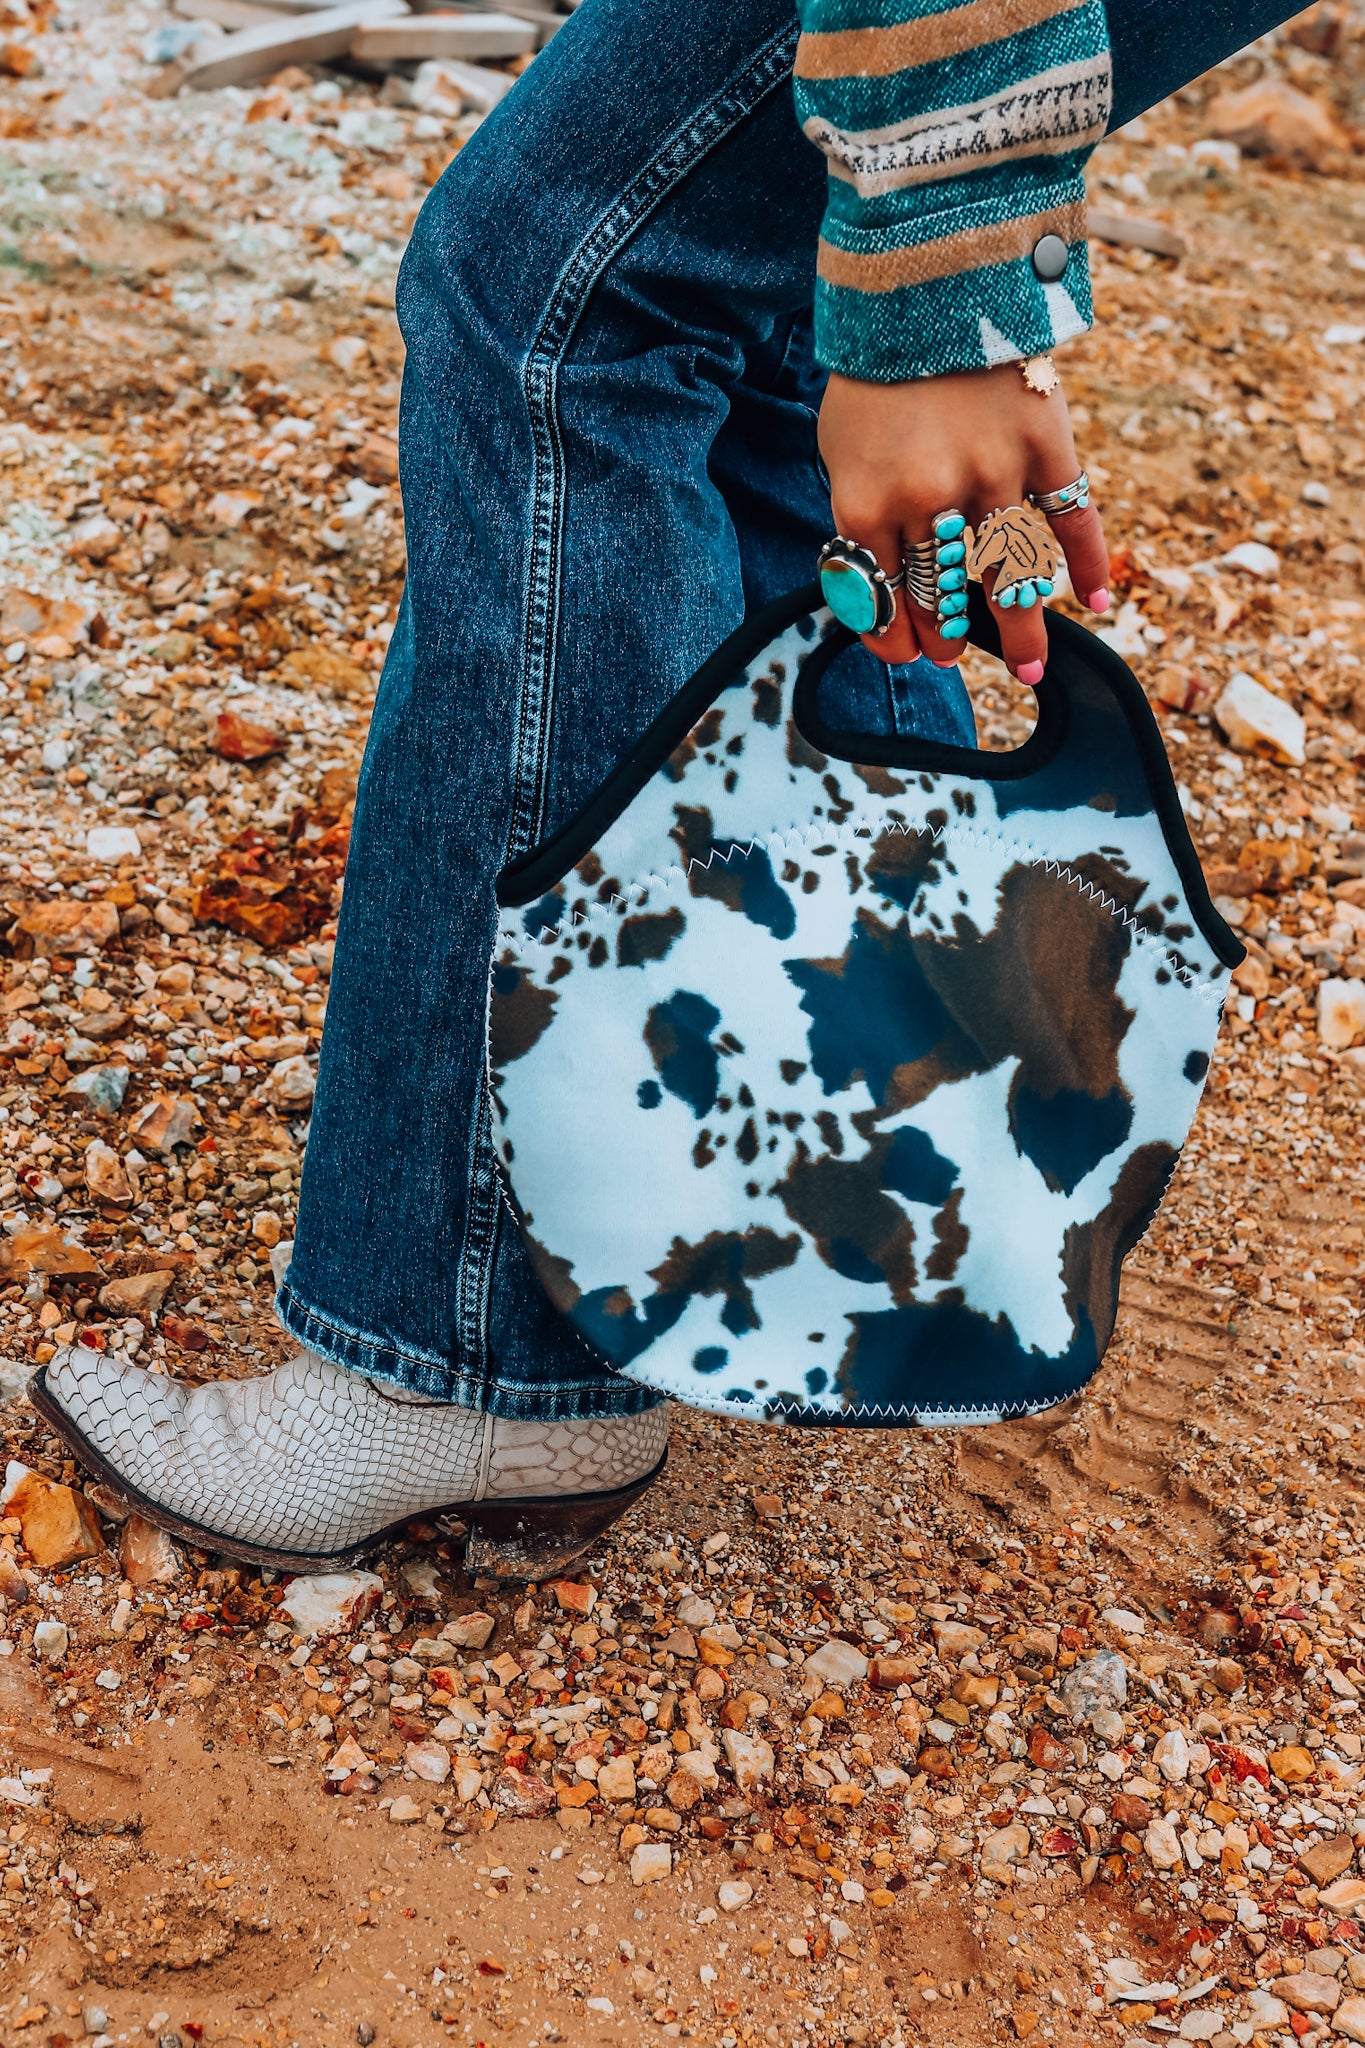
{"x": 1211, "y": 992}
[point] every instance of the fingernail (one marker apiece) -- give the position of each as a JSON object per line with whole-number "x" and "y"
{"x": 943, "y": 664}
{"x": 1098, "y": 600}
{"x": 1031, "y": 674}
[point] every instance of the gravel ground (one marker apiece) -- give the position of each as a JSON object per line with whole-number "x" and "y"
{"x": 1049, "y": 1730}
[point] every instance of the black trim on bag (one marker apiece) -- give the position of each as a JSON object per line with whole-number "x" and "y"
{"x": 1069, "y": 645}
{"x": 523, "y": 880}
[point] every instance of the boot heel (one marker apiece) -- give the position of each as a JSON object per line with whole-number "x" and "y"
{"x": 535, "y": 1539}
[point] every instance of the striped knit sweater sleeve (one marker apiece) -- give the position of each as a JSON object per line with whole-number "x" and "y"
{"x": 957, "y": 137}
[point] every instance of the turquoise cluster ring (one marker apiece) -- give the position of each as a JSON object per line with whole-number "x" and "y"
{"x": 856, "y": 588}
{"x": 936, "y": 573}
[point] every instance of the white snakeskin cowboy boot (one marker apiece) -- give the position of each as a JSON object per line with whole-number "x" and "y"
{"x": 311, "y": 1466}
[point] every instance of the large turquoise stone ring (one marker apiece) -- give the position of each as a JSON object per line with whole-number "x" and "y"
{"x": 856, "y": 588}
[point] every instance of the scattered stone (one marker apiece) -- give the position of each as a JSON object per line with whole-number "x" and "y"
{"x": 1341, "y": 1013}
{"x": 734, "y": 1895}
{"x": 237, "y": 739}
{"x": 836, "y": 1663}
{"x": 67, "y": 926}
{"x": 1326, "y": 1860}
{"x": 1094, "y": 1685}
{"x": 1002, "y": 1850}
{"x": 101, "y": 1088}
{"x": 1272, "y": 119}
{"x": 292, "y": 1084}
{"x": 428, "y": 1761}
{"x": 522, "y": 1795}
{"x": 404, "y": 1810}
{"x": 113, "y": 843}
{"x": 104, "y": 1175}
{"x": 1292, "y": 1764}
{"x": 1162, "y": 1843}
{"x": 57, "y": 1524}
{"x": 1349, "y": 2019}
{"x": 470, "y": 1631}
{"x": 51, "y": 1640}
{"x": 139, "y": 1294}
{"x": 163, "y": 1123}
{"x": 332, "y": 1603}
{"x": 1308, "y": 1992}
{"x": 616, "y": 1781}
{"x": 1256, "y": 721}
{"x": 573, "y": 1596}
{"x": 650, "y": 1863}
{"x": 147, "y": 1555}
{"x": 750, "y": 1758}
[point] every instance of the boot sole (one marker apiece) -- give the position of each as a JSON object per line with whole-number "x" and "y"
{"x": 531, "y": 1538}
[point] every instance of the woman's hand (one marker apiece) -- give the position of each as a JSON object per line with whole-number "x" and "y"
{"x": 897, "y": 454}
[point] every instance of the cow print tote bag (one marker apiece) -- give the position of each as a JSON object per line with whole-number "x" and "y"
{"x": 833, "y": 1077}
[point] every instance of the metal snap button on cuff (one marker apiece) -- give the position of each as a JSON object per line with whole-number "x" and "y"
{"x": 1050, "y": 255}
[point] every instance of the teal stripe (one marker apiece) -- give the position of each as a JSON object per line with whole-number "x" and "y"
{"x": 856, "y": 104}
{"x": 903, "y": 220}
{"x": 930, "y": 329}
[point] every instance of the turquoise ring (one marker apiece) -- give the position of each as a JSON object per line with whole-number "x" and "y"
{"x": 936, "y": 573}
{"x": 856, "y": 588}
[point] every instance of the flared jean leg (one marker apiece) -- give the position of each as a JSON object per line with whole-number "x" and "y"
{"x": 608, "y": 452}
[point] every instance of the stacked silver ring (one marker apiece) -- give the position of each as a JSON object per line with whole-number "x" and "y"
{"x": 1072, "y": 497}
{"x": 936, "y": 573}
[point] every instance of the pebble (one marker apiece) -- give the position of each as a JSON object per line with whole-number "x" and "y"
{"x": 332, "y": 1603}
{"x": 50, "y": 1640}
{"x": 650, "y": 1862}
{"x": 1256, "y": 721}
{"x": 734, "y": 1895}
{"x": 1096, "y": 1684}
{"x": 837, "y": 1663}
{"x": 404, "y": 1810}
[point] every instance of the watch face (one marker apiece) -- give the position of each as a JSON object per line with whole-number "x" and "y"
{"x": 852, "y": 596}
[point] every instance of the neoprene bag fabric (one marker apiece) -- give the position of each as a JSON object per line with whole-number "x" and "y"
{"x": 833, "y": 1077}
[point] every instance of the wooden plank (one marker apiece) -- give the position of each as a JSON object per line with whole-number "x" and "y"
{"x": 420, "y": 37}
{"x": 544, "y": 17}
{"x": 300, "y": 39}
{"x": 229, "y": 14}
{"x": 1128, "y": 231}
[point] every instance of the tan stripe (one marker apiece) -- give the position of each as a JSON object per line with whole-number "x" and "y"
{"x": 877, "y": 52}
{"x": 870, "y": 185}
{"x": 889, "y": 270}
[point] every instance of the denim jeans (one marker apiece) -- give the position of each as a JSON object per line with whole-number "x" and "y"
{"x": 608, "y": 444}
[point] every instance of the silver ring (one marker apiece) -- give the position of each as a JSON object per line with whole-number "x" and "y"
{"x": 1072, "y": 497}
{"x": 936, "y": 572}
{"x": 856, "y": 588}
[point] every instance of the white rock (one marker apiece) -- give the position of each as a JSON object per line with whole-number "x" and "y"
{"x": 734, "y": 1895}
{"x": 108, "y": 1681}
{"x": 1341, "y": 1013}
{"x": 50, "y": 1640}
{"x": 1253, "y": 557}
{"x": 955, "y": 1638}
{"x": 428, "y": 1761}
{"x": 1256, "y": 721}
{"x": 694, "y": 1612}
{"x": 469, "y": 1631}
{"x": 1172, "y": 1757}
{"x": 616, "y": 1780}
{"x": 332, "y": 1603}
{"x": 1125, "y": 1619}
{"x": 292, "y": 1083}
{"x": 404, "y": 1810}
{"x": 1201, "y": 2025}
{"x": 1162, "y": 1844}
{"x": 837, "y": 1663}
{"x": 1003, "y": 1848}
{"x": 1349, "y": 2019}
{"x": 650, "y": 1862}
{"x": 1226, "y": 155}
{"x": 749, "y": 1757}
{"x": 1266, "y": 2012}
{"x": 112, "y": 843}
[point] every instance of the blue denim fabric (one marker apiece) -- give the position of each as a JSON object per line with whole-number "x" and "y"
{"x": 608, "y": 454}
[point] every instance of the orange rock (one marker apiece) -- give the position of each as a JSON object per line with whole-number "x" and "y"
{"x": 574, "y": 1596}
{"x": 580, "y": 1794}
{"x": 58, "y": 1525}
{"x": 237, "y": 739}
{"x": 69, "y": 926}
{"x": 1272, "y": 119}
{"x": 1045, "y": 1750}
{"x": 43, "y": 1248}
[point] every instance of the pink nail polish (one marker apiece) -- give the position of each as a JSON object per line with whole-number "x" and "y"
{"x": 945, "y": 665}
{"x": 1098, "y": 600}
{"x": 1031, "y": 674}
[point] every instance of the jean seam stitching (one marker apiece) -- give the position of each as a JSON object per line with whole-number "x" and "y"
{"x": 293, "y": 1310}
{"x": 675, "y": 157}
